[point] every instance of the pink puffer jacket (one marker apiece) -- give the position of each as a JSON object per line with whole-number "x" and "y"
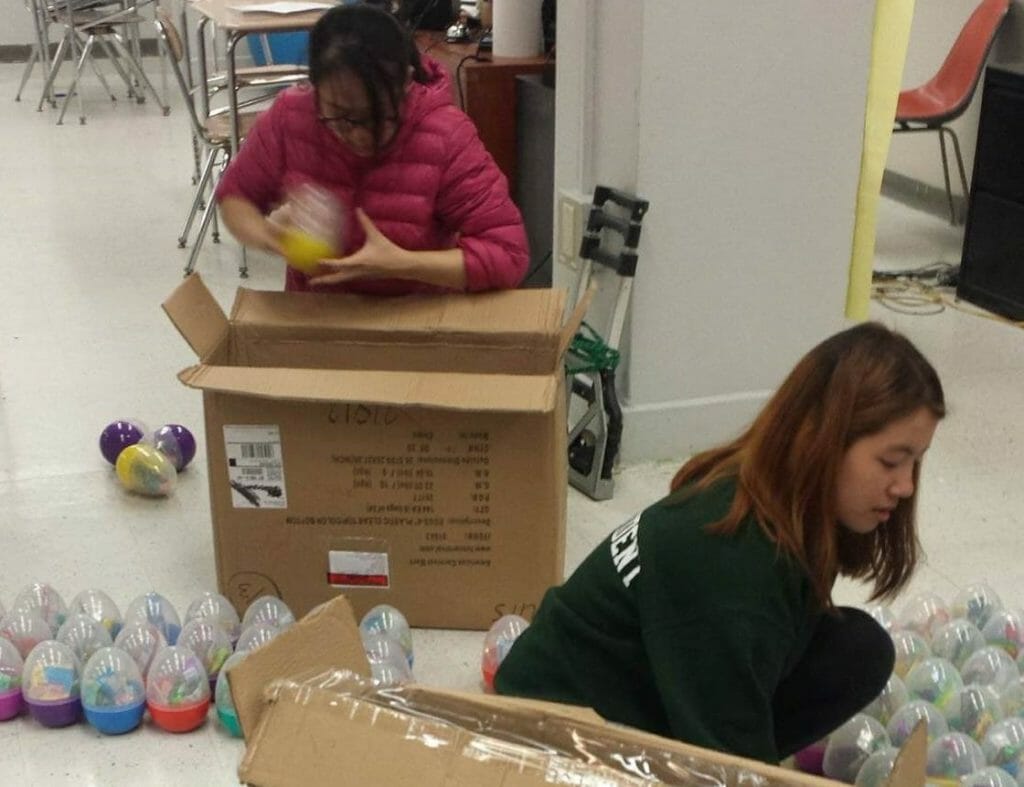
{"x": 433, "y": 187}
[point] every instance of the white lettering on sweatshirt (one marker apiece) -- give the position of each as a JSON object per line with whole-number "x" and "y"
{"x": 626, "y": 550}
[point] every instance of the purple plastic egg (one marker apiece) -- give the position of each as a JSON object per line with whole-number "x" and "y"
{"x": 117, "y": 436}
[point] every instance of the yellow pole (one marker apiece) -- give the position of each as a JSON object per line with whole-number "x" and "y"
{"x": 888, "y": 54}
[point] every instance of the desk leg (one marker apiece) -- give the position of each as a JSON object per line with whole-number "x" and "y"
{"x": 201, "y": 86}
{"x": 233, "y": 41}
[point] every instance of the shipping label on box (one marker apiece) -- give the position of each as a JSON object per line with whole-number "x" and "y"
{"x": 255, "y": 466}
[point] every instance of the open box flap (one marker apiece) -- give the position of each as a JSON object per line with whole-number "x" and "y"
{"x": 513, "y": 393}
{"x": 326, "y": 638}
{"x": 568, "y": 331}
{"x": 197, "y": 316}
{"x": 506, "y": 316}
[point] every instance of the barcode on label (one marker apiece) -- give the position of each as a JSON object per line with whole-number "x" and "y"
{"x": 257, "y": 450}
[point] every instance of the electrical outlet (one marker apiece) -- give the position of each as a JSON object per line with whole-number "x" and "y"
{"x": 572, "y": 210}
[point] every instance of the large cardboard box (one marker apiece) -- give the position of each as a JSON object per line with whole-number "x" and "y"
{"x": 409, "y": 451}
{"x": 308, "y": 726}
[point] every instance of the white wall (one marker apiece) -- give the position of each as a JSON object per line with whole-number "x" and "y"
{"x": 15, "y": 24}
{"x": 936, "y": 26}
{"x": 749, "y": 152}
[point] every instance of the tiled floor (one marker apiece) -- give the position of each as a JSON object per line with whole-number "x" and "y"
{"x": 88, "y": 217}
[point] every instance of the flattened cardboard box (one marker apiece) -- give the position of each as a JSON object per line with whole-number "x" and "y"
{"x": 419, "y": 737}
{"x": 328, "y": 727}
{"x": 409, "y": 451}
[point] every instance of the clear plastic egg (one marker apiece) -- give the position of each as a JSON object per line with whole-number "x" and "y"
{"x": 988, "y": 777}
{"x": 387, "y": 620}
{"x": 883, "y": 616}
{"x": 502, "y": 635}
{"x": 911, "y": 649}
{"x": 392, "y": 672}
{"x": 905, "y": 719}
{"x": 893, "y": 696}
{"x": 84, "y": 636}
{"x": 850, "y": 746}
{"x": 214, "y": 606}
{"x": 976, "y": 602}
{"x": 973, "y": 710}
{"x": 954, "y": 755}
{"x": 314, "y": 229}
{"x": 113, "y": 692}
{"x": 923, "y": 613}
{"x": 11, "y": 667}
{"x": 144, "y": 470}
{"x": 50, "y": 684}
{"x": 142, "y": 641}
{"x": 269, "y": 610}
{"x": 934, "y": 680}
{"x": 380, "y": 647}
{"x": 178, "y": 690}
{"x": 176, "y": 443}
{"x": 42, "y": 598}
{"x": 1005, "y": 629}
{"x": 209, "y": 642}
{"x": 223, "y": 700}
{"x": 876, "y": 768}
{"x": 990, "y": 666}
{"x": 157, "y": 610}
{"x": 100, "y": 607}
{"x": 1011, "y": 697}
{"x": 25, "y": 629}
{"x": 256, "y": 637}
{"x": 1003, "y": 745}
{"x": 956, "y": 641}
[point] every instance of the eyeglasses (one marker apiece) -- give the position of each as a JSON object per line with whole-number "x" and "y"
{"x": 344, "y": 124}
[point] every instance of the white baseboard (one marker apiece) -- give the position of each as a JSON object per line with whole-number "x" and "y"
{"x": 676, "y": 429}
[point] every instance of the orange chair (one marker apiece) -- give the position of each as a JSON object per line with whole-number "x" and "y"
{"x": 947, "y": 94}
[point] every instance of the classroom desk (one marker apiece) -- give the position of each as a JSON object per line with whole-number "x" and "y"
{"x": 237, "y": 25}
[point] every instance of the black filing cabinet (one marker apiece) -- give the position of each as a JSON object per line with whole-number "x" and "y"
{"x": 992, "y": 265}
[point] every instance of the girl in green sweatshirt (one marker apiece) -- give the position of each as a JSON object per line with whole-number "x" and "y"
{"x": 708, "y": 617}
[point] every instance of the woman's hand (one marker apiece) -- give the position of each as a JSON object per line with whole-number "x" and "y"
{"x": 378, "y": 258}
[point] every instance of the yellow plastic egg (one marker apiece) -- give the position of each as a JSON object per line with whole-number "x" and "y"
{"x": 304, "y": 251}
{"x": 146, "y": 471}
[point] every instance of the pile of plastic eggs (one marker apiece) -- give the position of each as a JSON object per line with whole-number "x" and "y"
{"x": 147, "y": 462}
{"x": 61, "y": 662}
{"x": 958, "y": 669}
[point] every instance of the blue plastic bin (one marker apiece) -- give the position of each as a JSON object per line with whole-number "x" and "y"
{"x": 284, "y": 48}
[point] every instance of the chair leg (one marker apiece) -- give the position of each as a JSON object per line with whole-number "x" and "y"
{"x": 135, "y": 66}
{"x": 99, "y": 75}
{"x": 32, "y": 58}
{"x": 115, "y": 61}
{"x": 204, "y": 179}
{"x": 945, "y": 175}
{"x": 211, "y": 209}
{"x": 58, "y": 58}
{"x": 960, "y": 167}
{"x": 74, "y": 84}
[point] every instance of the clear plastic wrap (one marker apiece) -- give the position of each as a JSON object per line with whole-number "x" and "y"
{"x": 564, "y": 746}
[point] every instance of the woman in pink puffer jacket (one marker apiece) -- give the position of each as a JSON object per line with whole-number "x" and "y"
{"x": 429, "y": 210}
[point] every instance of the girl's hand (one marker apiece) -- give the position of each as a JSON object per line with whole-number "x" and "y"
{"x": 378, "y": 258}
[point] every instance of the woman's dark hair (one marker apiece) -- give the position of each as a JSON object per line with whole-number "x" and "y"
{"x": 372, "y": 45}
{"x": 787, "y": 462}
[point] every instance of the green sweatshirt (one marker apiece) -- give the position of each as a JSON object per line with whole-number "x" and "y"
{"x": 670, "y": 629}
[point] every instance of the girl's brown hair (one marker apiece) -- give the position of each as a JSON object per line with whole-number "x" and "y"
{"x": 787, "y": 462}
